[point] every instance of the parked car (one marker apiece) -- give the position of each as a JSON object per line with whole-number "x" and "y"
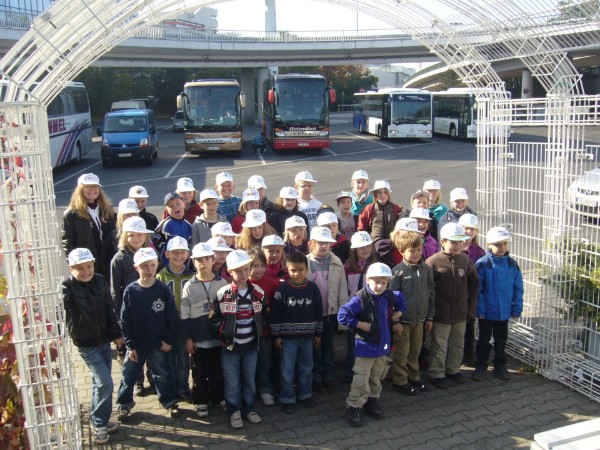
{"x": 128, "y": 135}
{"x": 178, "y": 121}
{"x": 583, "y": 194}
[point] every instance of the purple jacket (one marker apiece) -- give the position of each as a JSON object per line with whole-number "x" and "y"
{"x": 474, "y": 252}
{"x": 430, "y": 247}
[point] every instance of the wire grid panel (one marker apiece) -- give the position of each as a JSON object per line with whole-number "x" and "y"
{"x": 31, "y": 258}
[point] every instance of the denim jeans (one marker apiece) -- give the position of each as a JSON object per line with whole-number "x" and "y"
{"x": 264, "y": 366}
{"x": 324, "y": 356}
{"x": 161, "y": 375}
{"x": 296, "y": 363}
{"x": 99, "y": 360}
{"x": 487, "y": 329}
{"x": 179, "y": 359}
{"x": 239, "y": 372}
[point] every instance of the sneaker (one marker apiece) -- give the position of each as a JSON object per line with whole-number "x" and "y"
{"x": 407, "y": 389}
{"x": 100, "y": 435}
{"x": 420, "y": 385}
{"x": 458, "y": 378}
{"x": 288, "y": 408}
{"x": 318, "y": 388}
{"x": 236, "y": 420}
{"x": 353, "y": 416}
{"x": 309, "y": 402}
{"x": 440, "y": 383}
{"x": 138, "y": 390}
{"x": 223, "y": 405}
{"x": 185, "y": 396}
{"x": 478, "y": 374}
{"x": 254, "y": 418}
{"x": 202, "y": 410}
{"x": 151, "y": 389}
{"x": 267, "y": 399}
{"x": 373, "y": 409}
{"x": 501, "y": 373}
{"x": 174, "y": 411}
{"x": 122, "y": 412}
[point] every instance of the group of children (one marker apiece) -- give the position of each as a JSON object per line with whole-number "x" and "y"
{"x": 247, "y": 294}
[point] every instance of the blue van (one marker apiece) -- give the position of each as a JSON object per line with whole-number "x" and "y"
{"x": 129, "y": 134}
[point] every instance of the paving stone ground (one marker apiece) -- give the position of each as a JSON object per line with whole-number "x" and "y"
{"x": 491, "y": 414}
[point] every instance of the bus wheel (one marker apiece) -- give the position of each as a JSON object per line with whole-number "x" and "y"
{"x": 361, "y": 128}
{"x": 379, "y": 132}
{"x": 452, "y": 132}
{"x": 79, "y": 155}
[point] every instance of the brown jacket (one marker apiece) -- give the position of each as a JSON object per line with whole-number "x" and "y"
{"x": 456, "y": 287}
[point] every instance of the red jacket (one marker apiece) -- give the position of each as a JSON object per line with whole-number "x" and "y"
{"x": 365, "y": 219}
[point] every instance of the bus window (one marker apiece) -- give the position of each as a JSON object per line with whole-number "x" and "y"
{"x": 56, "y": 107}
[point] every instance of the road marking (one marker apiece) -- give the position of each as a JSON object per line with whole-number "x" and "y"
{"x": 261, "y": 157}
{"x": 367, "y": 139}
{"x": 76, "y": 173}
{"x": 330, "y": 151}
{"x": 181, "y": 158}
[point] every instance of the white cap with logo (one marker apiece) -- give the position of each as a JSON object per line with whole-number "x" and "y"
{"x": 379, "y": 270}
{"x": 272, "y": 239}
{"x": 360, "y": 239}
{"x": 135, "y": 225}
{"x": 254, "y": 218}
{"x": 250, "y": 194}
{"x": 185, "y": 185}
{"x": 294, "y": 221}
{"x": 326, "y": 218}
{"x": 381, "y": 184}
{"x": 407, "y": 224}
{"x": 222, "y": 229}
{"x": 218, "y": 244}
{"x": 224, "y": 177}
{"x": 237, "y": 259}
{"x": 89, "y": 179}
{"x": 497, "y": 234}
{"x": 205, "y": 194}
{"x": 453, "y": 232}
{"x": 288, "y": 192}
{"x": 177, "y": 243}
{"x": 138, "y": 192}
{"x": 420, "y": 213}
{"x": 128, "y": 206}
{"x": 80, "y": 256}
{"x": 256, "y": 182}
{"x": 458, "y": 194}
{"x": 432, "y": 184}
{"x": 469, "y": 220}
{"x": 305, "y": 176}
{"x": 144, "y": 254}
{"x": 360, "y": 175}
{"x": 202, "y": 249}
{"x": 321, "y": 234}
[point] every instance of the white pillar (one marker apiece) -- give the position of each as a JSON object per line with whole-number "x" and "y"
{"x": 526, "y": 84}
{"x": 249, "y": 113}
{"x": 270, "y": 18}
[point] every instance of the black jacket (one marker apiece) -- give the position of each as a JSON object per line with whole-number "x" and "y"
{"x": 89, "y": 312}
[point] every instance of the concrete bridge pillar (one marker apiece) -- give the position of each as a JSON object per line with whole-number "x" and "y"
{"x": 526, "y": 84}
{"x": 249, "y": 113}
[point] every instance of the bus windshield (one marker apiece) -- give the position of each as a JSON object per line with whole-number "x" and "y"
{"x": 212, "y": 108}
{"x": 301, "y": 102}
{"x": 411, "y": 109}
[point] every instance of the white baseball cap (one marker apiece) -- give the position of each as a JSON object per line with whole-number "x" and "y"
{"x": 185, "y": 185}
{"x": 128, "y": 206}
{"x": 250, "y": 194}
{"x": 379, "y": 270}
{"x": 272, "y": 239}
{"x": 222, "y": 229}
{"x": 79, "y": 256}
{"x": 321, "y": 234}
{"x": 237, "y": 259}
{"x": 224, "y": 177}
{"x": 326, "y": 218}
{"x": 138, "y": 192}
{"x": 144, "y": 254}
{"x": 497, "y": 234}
{"x": 205, "y": 194}
{"x": 202, "y": 249}
{"x": 254, "y": 218}
{"x": 432, "y": 184}
{"x": 89, "y": 179}
{"x": 381, "y": 184}
{"x": 288, "y": 192}
{"x": 305, "y": 176}
{"x": 360, "y": 175}
{"x": 458, "y": 194}
{"x": 177, "y": 243}
{"x": 453, "y": 232}
{"x": 136, "y": 225}
{"x": 360, "y": 239}
{"x": 218, "y": 244}
{"x": 420, "y": 213}
{"x": 407, "y": 224}
{"x": 256, "y": 182}
{"x": 469, "y": 220}
{"x": 294, "y": 221}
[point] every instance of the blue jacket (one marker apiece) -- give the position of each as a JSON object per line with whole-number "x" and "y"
{"x": 350, "y": 313}
{"x": 500, "y": 287}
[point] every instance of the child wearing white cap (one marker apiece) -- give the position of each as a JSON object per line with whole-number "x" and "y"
{"x": 500, "y": 298}
{"x": 250, "y": 200}
{"x": 327, "y": 271}
{"x": 174, "y": 225}
{"x": 273, "y": 247}
{"x": 307, "y": 203}
{"x": 370, "y": 313}
{"x": 201, "y": 339}
{"x": 456, "y": 284}
{"x": 257, "y": 182}
{"x": 92, "y": 324}
{"x": 459, "y": 205}
{"x": 434, "y": 188}
{"x": 341, "y": 246}
{"x": 187, "y": 191}
{"x": 347, "y": 220}
{"x": 202, "y": 226}
{"x": 255, "y": 228}
{"x": 140, "y": 195}
{"x": 224, "y": 230}
{"x": 295, "y": 236}
{"x": 150, "y": 325}
{"x": 361, "y": 197}
{"x": 221, "y": 250}
{"x": 238, "y": 313}
{"x": 286, "y": 206}
{"x": 127, "y": 208}
{"x": 229, "y": 204}
{"x": 175, "y": 275}
{"x": 378, "y": 218}
{"x": 88, "y": 219}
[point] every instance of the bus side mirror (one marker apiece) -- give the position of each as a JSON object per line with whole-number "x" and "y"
{"x": 271, "y": 96}
{"x": 99, "y": 131}
{"x": 243, "y": 100}
{"x": 332, "y": 95}
{"x": 180, "y": 102}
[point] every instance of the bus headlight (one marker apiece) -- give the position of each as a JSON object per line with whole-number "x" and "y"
{"x": 280, "y": 133}
{"x": 392, "y": 132}
{"x": 144, "y": 142}
{"x": 104, "y": 143}
{"x": 323, "y": 133}
{"x": 190, "y": 141}
{"x": 235, "y": 140}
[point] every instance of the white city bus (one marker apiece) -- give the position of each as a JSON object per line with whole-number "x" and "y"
{"x": 69, "y": 123}
{"x": 394, "y": 113}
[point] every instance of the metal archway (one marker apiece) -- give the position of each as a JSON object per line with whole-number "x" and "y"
{"x": 70, "y": 35}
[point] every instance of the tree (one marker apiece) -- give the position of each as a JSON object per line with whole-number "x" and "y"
{"x": 449, "y": 79}
{"x": 575, "y": 10}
